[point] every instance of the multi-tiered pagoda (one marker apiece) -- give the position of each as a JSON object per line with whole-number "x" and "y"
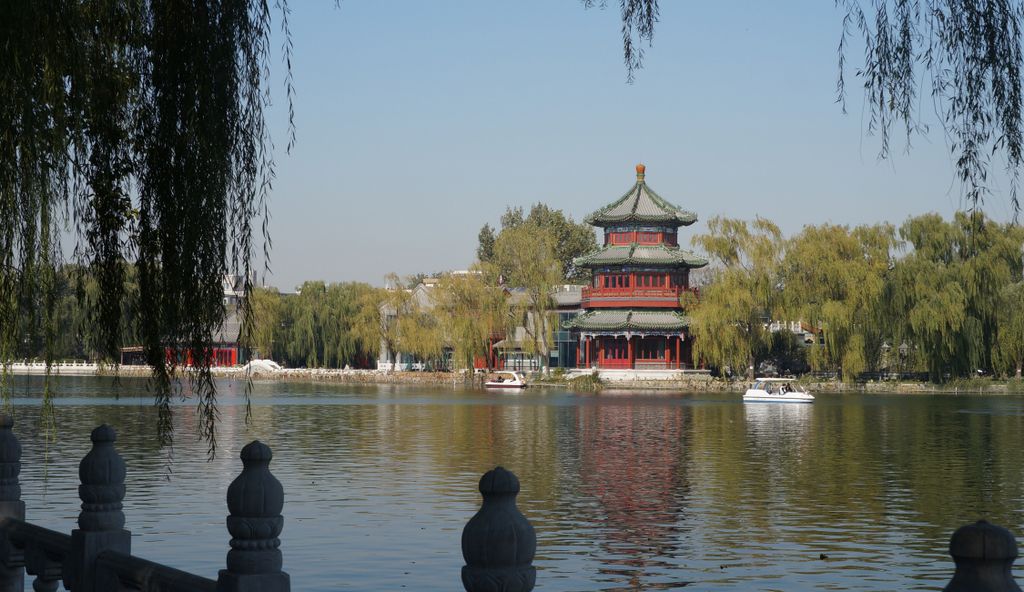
{"x": 633, "y": 318}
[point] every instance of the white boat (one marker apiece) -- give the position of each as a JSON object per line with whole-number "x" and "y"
{"x": 506, "y": 379}
{"x": 777, "y": 390}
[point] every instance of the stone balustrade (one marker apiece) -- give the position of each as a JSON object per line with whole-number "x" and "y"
{"x": 97, "y": 557}
{"x": 498, "y": 542}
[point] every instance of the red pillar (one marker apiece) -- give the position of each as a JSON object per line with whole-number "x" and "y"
{"x": 679, "y": 358}
{"x": 600, "y": 351}
{"x": 629, "y": 348}
{"x": 668, "y": 352}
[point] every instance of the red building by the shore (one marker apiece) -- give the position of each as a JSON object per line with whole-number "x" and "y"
{"x": 633, "y": 317}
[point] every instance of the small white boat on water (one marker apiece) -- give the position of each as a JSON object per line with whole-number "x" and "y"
{"x": 777, "y": 390}
{"x": 506, "y": 379}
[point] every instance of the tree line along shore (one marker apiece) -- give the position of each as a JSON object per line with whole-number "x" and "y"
{"x": 937, "y": 297}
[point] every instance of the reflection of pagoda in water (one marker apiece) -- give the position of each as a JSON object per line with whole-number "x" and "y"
{"x": 633, "y": 466}
{"x": 632, "y": 314}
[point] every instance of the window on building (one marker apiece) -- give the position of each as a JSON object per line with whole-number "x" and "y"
{"x": 616, "y": 349}
{"x": 619, "y": 238}
{"x": 651, "y": 348}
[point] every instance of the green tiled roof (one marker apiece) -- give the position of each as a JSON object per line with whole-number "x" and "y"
{"x": 641, "y": 205}
{"x": 629, "y": 320}
{"x": 635, "y": 254}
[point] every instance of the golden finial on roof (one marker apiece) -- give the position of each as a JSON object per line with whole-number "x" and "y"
{"x": 640, "y": 172}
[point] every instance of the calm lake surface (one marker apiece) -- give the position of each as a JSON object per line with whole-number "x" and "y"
{"x": 627, "y": 490}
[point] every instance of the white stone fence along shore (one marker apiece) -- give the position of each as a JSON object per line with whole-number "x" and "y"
{"x": 68, "y": 368}
{"x": 498, "y": 542}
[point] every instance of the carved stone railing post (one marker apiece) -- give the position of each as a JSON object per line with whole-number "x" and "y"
{"x": 255, "y": 501}
{"x": 498, "y": 542}
{"x": 101, "y": 521}
{"x": 12, "y": 560}
{"x": 984, "y": 555}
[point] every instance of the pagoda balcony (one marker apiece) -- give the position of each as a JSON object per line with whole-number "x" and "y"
{"x": 634, "y": 297}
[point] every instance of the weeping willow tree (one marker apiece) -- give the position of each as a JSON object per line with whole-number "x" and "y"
{"x": 965, "y": 54}
{"x": 472, "y": 311}
{"x": 834, "y": 278}
{"x": 730, "y": 324}
{"x": 528, "y": 253}
{"x": 945, "y": 295}
{"x": 139, "y": 126}
{"x": 1008, "y": 349}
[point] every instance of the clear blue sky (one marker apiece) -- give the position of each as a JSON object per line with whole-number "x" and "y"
{"x": 420, "y": 121}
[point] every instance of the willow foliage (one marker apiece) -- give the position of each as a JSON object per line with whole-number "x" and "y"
{"x": 397, "y": 319}
{"x": 834, "y": 278}
{"x": 472, "y": 312}
{"x": 140, "y": 125}
{"x": 730, "y": 323}
{"x": 945, "y": 295}
{"x": 1008, "y": 349}
{"x": 528, "y": 253}
{"x": 967, "y": 54}
{"x": 314, "y": 328}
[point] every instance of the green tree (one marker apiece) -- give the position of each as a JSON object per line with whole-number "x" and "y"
{"x": 266, "y": 307}
{"x": 1008, "y": 350}
{"x": 525, "y": 254}
{"x": 144, "y": 123}
{"x": 317, "y": 327}
{"x": 834, "y": 278}
{"x": 421, "y": 335}
{"x": 968, "y": 57}
{"x": 472, "y": 311}
{"x": 485, "y": 250}
{"x": 342, "y": 345}
{"x": 569, "y": 238}
{"x": 730, "y": 325}
{"x": 966, "y": 54}
{"x": 395, "y": 320}
{"x": 944, "y": 295}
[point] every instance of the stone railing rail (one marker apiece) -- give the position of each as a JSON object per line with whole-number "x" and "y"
{"x": 498, "y": 542}
{"x": 97, "y": 557}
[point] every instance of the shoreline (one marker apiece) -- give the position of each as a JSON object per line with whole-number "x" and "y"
{"x": 688, "y": 384}
{"x": 693, "y": 383}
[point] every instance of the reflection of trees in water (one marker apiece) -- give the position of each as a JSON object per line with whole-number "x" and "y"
{"x": 631, "y": 463}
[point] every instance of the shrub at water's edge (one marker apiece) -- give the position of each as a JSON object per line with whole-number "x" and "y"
{"x": 586, "y": 383}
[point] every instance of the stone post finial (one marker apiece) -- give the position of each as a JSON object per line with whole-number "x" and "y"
{"x": 102, "y": 474}
{"x": 498, "y": 542}
{"x": 12, "y": 560}
{"x": 984, "y": 555}
{"x": 255, "y": 500}
{"x": 10, "y": 461}
{"x": 101, "y": 521}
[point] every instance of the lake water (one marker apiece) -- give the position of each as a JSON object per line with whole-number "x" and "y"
{"x": 626, "y": 490}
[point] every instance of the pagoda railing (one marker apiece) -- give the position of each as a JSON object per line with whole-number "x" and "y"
{"x": 616, "y": 364}
{"x": 590, "y": 293}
